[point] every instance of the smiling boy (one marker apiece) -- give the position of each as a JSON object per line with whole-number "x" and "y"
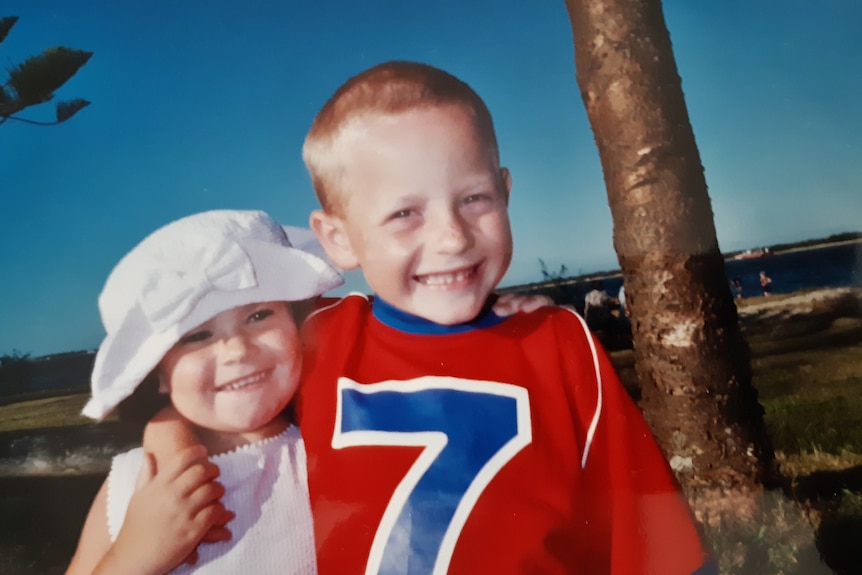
{"x": 423, "y": 212}
{"x": 441, "y": 437}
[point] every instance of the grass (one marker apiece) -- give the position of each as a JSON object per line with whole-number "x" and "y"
{"x": 44, "y": 412}
{"x": 812, "y": 394}
{"x": 807, "y": 369}
{"x": 808, "y": 373}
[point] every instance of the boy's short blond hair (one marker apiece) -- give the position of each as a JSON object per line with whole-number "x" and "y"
{"x": 386, "y": 89}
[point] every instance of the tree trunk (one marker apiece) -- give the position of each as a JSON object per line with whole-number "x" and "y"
{"x": 692, "y": 362}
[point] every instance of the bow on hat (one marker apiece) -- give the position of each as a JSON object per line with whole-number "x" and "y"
{"x": 170, "y": 295}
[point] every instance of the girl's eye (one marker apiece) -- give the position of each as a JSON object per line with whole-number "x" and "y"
{"x": 401, "y": 214}
{"x": 260, "y": 315}
{"x": 195, "y": 337}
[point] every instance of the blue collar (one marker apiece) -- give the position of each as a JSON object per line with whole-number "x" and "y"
{"x": 409, "y": 323}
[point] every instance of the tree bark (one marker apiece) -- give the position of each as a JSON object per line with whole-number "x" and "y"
{"x": 692, "y": 362}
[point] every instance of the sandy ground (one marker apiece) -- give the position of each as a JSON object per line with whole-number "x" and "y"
{"x": 776, "y": 307}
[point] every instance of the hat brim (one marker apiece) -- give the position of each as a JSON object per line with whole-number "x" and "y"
{"x": 131, "y": 352}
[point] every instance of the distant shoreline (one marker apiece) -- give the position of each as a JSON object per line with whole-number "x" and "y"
{"x": 616, "y": 273}
{"x": 818, "y": 246}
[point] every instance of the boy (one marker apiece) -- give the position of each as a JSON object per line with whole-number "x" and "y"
{"x": 442, "y": 438}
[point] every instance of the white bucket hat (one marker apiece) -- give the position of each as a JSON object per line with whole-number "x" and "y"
{"x": 184, "y": 274}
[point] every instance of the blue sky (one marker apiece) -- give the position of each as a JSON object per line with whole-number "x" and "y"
{"x": 204, "y": 104}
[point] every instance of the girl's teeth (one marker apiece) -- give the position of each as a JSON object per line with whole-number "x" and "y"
{"x": 240, "y": 383}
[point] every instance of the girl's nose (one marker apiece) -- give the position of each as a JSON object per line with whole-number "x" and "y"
{"x": 236, "y": 348}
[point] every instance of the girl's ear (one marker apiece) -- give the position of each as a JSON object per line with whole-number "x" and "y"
{"x": 164, "y": 385}
{"x": 332, "y": 234}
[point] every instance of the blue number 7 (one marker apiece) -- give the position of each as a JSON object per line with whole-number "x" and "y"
{"x": 470, "y": 430}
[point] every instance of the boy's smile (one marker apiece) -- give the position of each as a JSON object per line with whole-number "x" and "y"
{"x": 448, "y": 279}
{"x": 424, "y": 213}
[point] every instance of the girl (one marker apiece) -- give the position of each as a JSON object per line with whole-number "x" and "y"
{"x": 199, "y": 308}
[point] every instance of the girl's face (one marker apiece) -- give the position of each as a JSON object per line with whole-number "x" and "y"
{"x": 238, "y": 371}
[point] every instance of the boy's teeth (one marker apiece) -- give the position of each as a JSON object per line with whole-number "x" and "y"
{"x": 243, "y": 382}
{"x": 444, "y": 279}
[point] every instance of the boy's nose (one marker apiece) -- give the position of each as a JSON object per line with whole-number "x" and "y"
{"x": 454, "y": 234}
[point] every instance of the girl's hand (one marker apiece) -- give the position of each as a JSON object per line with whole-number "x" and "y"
{"x": 510, "y": 303}
{"x": 168, "y": 515}
{"x": 166, "y": 435}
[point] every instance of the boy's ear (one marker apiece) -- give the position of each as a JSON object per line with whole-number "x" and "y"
{"x": 506, "y": 179}
{"x": 331, "y": 233}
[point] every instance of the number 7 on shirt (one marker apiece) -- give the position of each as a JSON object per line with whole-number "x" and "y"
{"x": 469, "y": 429}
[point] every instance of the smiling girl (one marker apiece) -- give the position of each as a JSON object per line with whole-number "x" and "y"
{"x": 200, "y": 308}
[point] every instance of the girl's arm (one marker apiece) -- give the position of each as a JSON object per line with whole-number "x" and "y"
{"x": 94, "y": 541}
{"x": 167, "y": 517}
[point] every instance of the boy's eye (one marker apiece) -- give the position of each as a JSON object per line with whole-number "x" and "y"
{"x": 473, "y": 198}
{"x": 195, "y": 337}
{"x": 405, "y": 213}
{"x": 260, "y": 315}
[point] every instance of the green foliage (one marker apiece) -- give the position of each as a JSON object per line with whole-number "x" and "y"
{"x": 842, "y": 237}
{"x": 14, "y": 368}
{"x": 66, "y": 110}
{"x": 548, "y": 275}
{"x": 555, "y": 285}
{"x": 13, "y": 358}
{"x": 38, "y": 77}
{"x": 34, "y": 81}
{"x": 6, "y": 24}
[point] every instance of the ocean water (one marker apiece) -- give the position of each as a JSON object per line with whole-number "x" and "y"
{"x": 835, "y": 266}
{"x": 826, "y": 267}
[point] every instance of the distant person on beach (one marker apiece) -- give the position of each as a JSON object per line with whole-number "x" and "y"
{"x": 765, "y": 284}
{"x": 203, "y": 308}
{"x": 598, "y": 305}
{"x": 621, "y": 300}
{"x": 441, "y": 437}
{"x": 736, "y": 287}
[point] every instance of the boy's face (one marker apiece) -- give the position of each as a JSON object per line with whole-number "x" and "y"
{"x": 236, "y": 372}
{"x": 426, "y": 214}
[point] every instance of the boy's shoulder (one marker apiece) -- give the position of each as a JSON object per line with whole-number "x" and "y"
{"x": 328, "y": 308}
{"x": 558, "y": 327}
{"x": 343, "y": 314}
{"x": 554, "y": 316}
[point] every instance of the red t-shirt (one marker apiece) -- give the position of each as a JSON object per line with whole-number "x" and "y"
{"x": 503, "y": 446}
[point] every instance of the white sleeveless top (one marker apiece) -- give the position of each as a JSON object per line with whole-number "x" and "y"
{"x": 266, "y": 486}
